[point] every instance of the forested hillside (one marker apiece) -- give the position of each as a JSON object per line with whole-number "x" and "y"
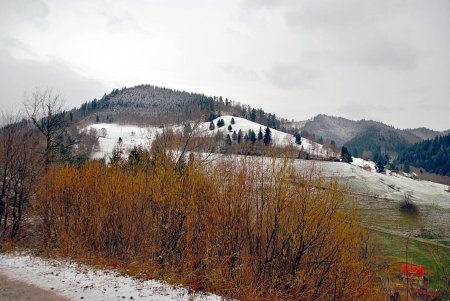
{"x": 433, "y": 155}
{"x": 148, "y": 104}
{"x": 366, "y": 138}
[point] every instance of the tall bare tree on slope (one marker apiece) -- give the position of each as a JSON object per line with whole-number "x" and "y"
{"x": 45, "y": 109}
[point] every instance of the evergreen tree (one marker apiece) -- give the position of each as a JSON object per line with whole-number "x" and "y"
{"x": 234, "y": 136}
{"x": 345, "y": 155}
{"x": 253, "y": 136}
{"x": 260, "y": 135}
{"x": 232, "y": 121}
{"x": 253, "y": 115}
{"x": 298, "y": 138}
{"x": 228, "y": 140}
{"x": 406, "y": 168}
{"x": 212, "y": 126}
{"x": 97, "y": 118}
{"x": 267, "y": 136}
{"x": 220, "y": 123}
{"x": 380, "y": 165}
{"x": 432, "y": 155}
{"x": 239, "y": 136}
{"x": 230, "y": 128}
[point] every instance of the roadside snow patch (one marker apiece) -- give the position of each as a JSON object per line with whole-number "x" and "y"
{"x": 76, "y": 281}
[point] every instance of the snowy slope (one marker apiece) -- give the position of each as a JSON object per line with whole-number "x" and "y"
{"x": 386, "y": 186}
{"x": 134, "y": 135}
{"x": 131, "y": 135}
{"x": 278, "y": 137}
{"x": 367, "y": 165}
{"x": 76, "y": 282}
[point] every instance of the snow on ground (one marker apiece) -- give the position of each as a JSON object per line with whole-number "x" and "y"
{"x": 368, "y": 165}
{"x": 131, "y": 135}
{"x": 134, "y": 135}
{"x": 278, "y": 137}
{"x": 75, "y": 281}
{"x": 394, "y": 186}
{"x": 361, "y": 175}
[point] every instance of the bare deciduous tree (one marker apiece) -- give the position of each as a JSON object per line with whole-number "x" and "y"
{"x": 45, "y": 110}
{"x": 18, "y": 172}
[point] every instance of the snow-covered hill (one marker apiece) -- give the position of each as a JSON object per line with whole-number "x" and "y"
{"x": 278, "y": 137}
{"x": 362, "y": 178}
{"x": 132, "y": 135}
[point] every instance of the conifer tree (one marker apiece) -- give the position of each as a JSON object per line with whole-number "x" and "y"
{"x": 239, "y": 136}
{"x": 253, "y": 136}
{"x": 246, "y": 137}
{"x": 298, "y": 138}
{"x": 253, "y": 115}
{"x": 267, "y": 136}
{"x": 345, "y": 155}
{"x": 212, "y": 126}
{"x": 406, "y": 168}
{"x": 234, "y": 136}
{"x": 232, "y": 121}
{"x": 228, "y": 140}
{"x": 230, "y": 128}
{"x": 260, "y": 134}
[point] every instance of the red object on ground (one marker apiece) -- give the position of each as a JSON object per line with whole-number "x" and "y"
{"x": 410, "y": 270}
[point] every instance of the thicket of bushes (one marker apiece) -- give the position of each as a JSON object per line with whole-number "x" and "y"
{"x": 241, "y": 229}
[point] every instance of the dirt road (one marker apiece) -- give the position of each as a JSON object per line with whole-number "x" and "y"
{"x": 14, "y": 290}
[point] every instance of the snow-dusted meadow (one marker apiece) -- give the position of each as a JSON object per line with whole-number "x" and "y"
{"x": 379, "y": 197}
{"x": 278, "y": 137}
{"x": 76, "y": 281}
{"x": 378, "y": 194}
{"x": 132, "y": 135}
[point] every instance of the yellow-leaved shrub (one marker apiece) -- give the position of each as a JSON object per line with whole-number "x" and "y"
{"x": 251, "y": 228}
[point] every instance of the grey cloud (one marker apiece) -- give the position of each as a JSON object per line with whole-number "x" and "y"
{"x": 20, "y": 77}
{"x": 240, "y": 72}
{"x": 390, "y": 54}
{"x": 355, "y": 108}
{"x": 335, "y": 15}
{"x": 18, "y": 12}
{"x": 120, "y": 22}
{"x": 427, "y": 105}
{"x": 290, "y": 76}
{"x": 266, "y": 4}
{"x": 357, "y": 29}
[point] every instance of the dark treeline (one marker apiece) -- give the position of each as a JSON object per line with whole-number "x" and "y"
{"x": 432, "y": 155}
{"x": 158, "y": 105}
{"x": 376, "y": 142}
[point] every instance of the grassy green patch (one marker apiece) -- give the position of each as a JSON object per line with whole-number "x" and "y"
{"x": 435, "y": 258}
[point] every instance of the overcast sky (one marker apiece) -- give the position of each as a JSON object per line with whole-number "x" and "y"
{"x": 382, "y": 60}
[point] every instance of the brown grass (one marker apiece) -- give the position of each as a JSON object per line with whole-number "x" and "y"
{"x": 240, "y": 229}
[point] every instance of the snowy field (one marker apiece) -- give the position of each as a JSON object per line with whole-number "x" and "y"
{"x": 378, "y": 195}
{"x": 132, "y": 135}
{"x": 75, "y": 281}
{"x": 278, "y": 137}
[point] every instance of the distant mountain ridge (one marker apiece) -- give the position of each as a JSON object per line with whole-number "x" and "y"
{"x": 367, "y": 136}
{"x": 148, "y": 104}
